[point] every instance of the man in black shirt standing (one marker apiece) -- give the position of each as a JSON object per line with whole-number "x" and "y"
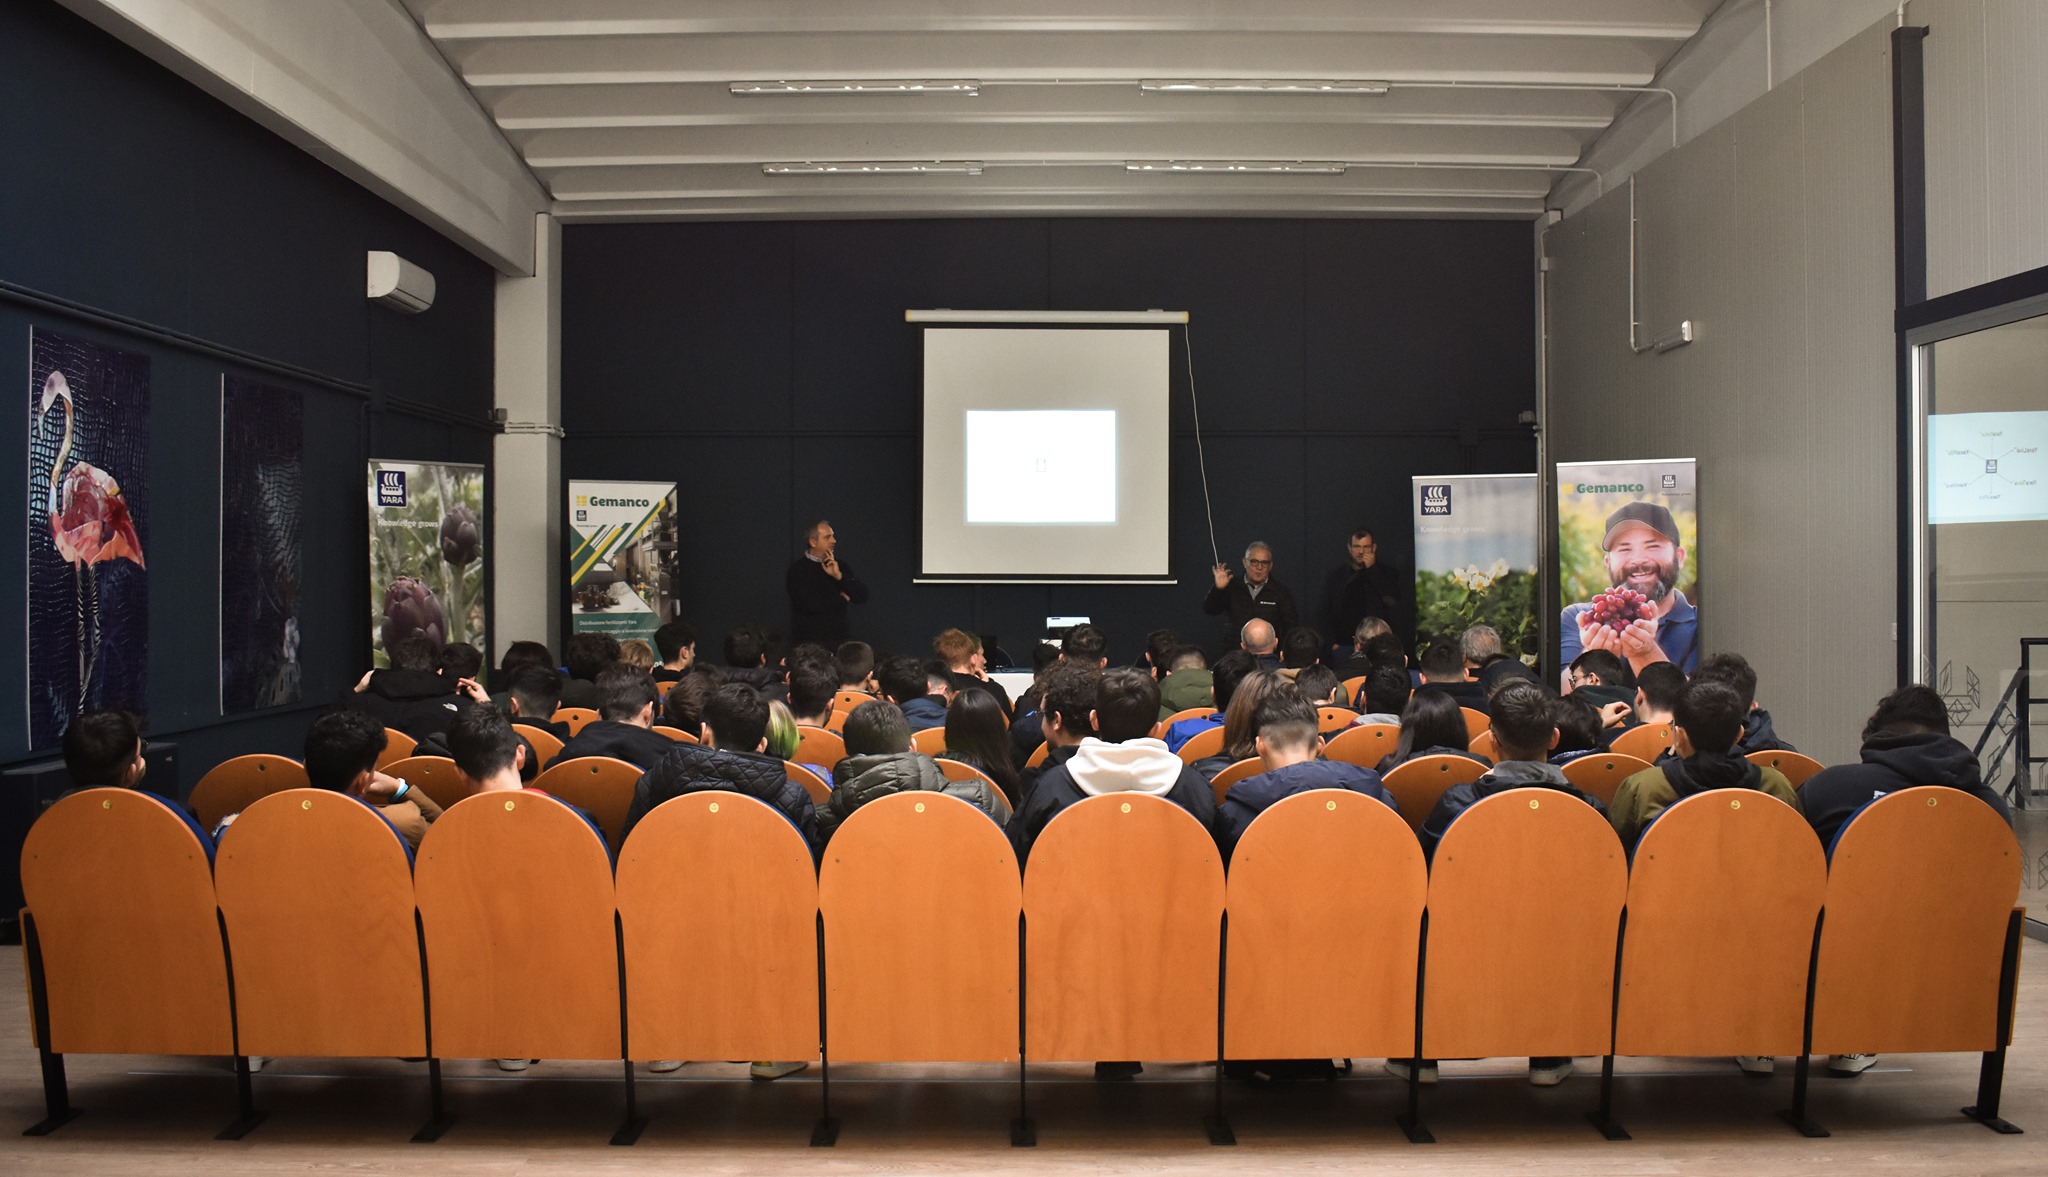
{"x": 820, "y": 589}
{"x": 1257, "y": 595}
{"x": 1363, "y": 586}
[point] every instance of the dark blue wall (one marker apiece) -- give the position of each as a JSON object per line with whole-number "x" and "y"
{"x": 127, "y": 190}
{"x": 767, "y": 369}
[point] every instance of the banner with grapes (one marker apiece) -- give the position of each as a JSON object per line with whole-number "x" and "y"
{"x": 1628, "y": 560}
{"x": 1475, "y": 558}
{"x": 426, "y": 555}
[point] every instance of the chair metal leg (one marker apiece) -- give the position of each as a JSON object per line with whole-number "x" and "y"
{"x": 57, "y": 1109}
{"x": 1023, "y": 1129}
{"x": 1796, "y": 1114}
{"x": 1991, "y": 1075}
{"x": 1215, "y": 1123}
{"x": 635, "y": 1123}
{"x": 1411, "y": 1120}
{"x": 1603, "y": 1117}
{"x": 439, "y": 1120}
{"x": 826, "y": 1132}
{"x": 247, "y": 1117}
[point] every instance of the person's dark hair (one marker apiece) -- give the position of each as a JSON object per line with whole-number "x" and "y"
{"x": 1301, "y": 647}
{"x": 1523, "y": 716}
{"x": 812, "y": 654}
{"x": 525, "y": 653}
{"x": 1186, "y": 658}
{"x": 1043, "y": 655}
{"x": 811, "y": 687}
{"x": 415, "y": 651}
{"x": 458, "y": 660}
{"x": 1126, "y": 705}
{"x": 1226, "y": 673}
{"x": 1661, "y": 684}
{"x": 587, "y": 653}
{"x": 1387, "y": 689}
{"x": 1444, "y": 660}
{"x": 1711, "y": 713}
{"x": 342, "y": 746}
{"x": 683, "y": 706}
{"x": 100, "y": 745}
{"x": 1577, "y": 723}
{"x": 1431, "y": 719}
{"x": 1086, "y": 643}
{"x": 1287, "y": 717}
{"x": 746, "y": 646}
{"x": 938, "y": 677}
{"x": 901, "y": 678}
{"x": 538, "y": 689}
{"x": 1159, "y": 647}
{"x": 672, "y": 639}
{"x": 1070, "y": 693}
{"x": 975, "y": 736}
{"x": 1732, "y": 670}
{"x": 1384, "y": 649}
{"x": 1318, "y": 684}
{"x": 1605, "y": 665}
{"x": 482, "y": 742}
{"x": 1241, "y": 718}
{"x": 1911, "y": 708}
{"x": 856, "y": 661}
{"x": 876, "y": 728}
{"x": 737, "y": 715}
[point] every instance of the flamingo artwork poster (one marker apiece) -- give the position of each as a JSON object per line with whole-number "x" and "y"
{"x": 88, "y": 579}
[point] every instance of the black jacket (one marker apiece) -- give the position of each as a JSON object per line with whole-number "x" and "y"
{"x": 1275, "y": 604}
{"x": 1350, "y": 595}
{"x": 817, "y": 608}
{"x": 1252, "y": 796}
{"x": 1391, "y": 760}
{"x": 967, "y": 682}
{"x": 1892, "y": 761}
{"x": 416, "y": 702}
{"x": 1759, "y": 736}
{"x": 1465, "y": 694}
{"x": 1509, "y": 774}
{"x": 692, "y": 768}
{"x": 1027, "y": 732}
{"x": 558, "y": 730}
{"x": 620, "y": 741}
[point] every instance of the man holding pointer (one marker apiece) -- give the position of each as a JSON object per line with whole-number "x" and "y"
{"x": 820, "y": 589}
{"x": 1257, "y": 595}
{"x": 1644, "y": 559}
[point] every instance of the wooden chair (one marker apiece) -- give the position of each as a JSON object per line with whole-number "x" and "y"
{"x": 1796, "y": 766}
{"x": 1185, "y": 713}
{"x": 1038, "y": 755}
{"x": 813, "y": 783}
{"x": 1645, "y": 742}
{"x": 575, "y": 717}
{"x": 1351, "y": 686}
{"x": 661, "y": 689}
{"x": 598, "y": 785}
{"x": 960, "y": 770}
{"x": 1475, "y": 722}
{"x": 1123, "y": 907}
{"x": 837, "y": 723}
{"x": 818, "y": 745}
{"x": 1487, "y": 923}
{"x": 1485, "y": 744}
{"x": 233, "y": 785}
{"x": 919, "y": 895}
{"x": 436, "y": 776}
{"x": 1201, "y": 745}
{"x": 545, "y": 746}
{"x": 931, "y": 741}
{"x": 718, "y": 905}
{"x": 122, "y": 945}
{"x": 845, "y": 700}
{"x": 1722, "y": 899}
{"x": 1250, "y": 766}
{"x": 1364, "y": 745}
{"x": 674, "y": 733}
{"x": 397, "y": 746}
{"x": 1418, "y": 783}
{"x": 1601, "y": 774}
{"x": 515, "y": 899}
{"x": 1330, "y": 720}
{"x": 1919, "y": 947}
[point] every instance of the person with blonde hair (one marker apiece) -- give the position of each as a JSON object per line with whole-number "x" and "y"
{"x": 638, "y": 655}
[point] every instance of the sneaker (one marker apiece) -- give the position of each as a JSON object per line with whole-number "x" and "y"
{"x": 1425, "y": 1069}
{"x": 1850, "y": 1064}
{"x": 1118, "y": 1071}
{"x": 516, "y": 1064}
{"x": 1549, "y": 1072}
{"x": 772, "y": 1070}
{"x": 1756, "y": 1064}
{"x": 664, "y": 1066}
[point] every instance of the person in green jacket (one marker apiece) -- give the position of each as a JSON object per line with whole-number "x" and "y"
{"x": 1705, "y": 727}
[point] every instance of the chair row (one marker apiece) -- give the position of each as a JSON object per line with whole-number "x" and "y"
{"x": 715, "y": 939}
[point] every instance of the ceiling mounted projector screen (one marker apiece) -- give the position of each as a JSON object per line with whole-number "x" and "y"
{"x": 1045, "y": 453}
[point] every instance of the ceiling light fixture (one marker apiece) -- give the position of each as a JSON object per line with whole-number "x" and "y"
{"x": 1259, "y": 86}
{"x": 1240, "y": 166}
{"x": 875, "y": 167}
{"x": 967, "y": 86}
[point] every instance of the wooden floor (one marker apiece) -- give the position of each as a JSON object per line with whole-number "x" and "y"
{"x": 156, "y": 1117}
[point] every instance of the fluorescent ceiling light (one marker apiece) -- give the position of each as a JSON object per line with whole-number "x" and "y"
{"x": 1259, "y": 86}
{"x": 1309, "y": 167}
{"x": 967, "y": 86}
{"x": 875, "y": 167}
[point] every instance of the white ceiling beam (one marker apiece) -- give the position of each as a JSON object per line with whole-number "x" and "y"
{"x": 1138, "y": 205}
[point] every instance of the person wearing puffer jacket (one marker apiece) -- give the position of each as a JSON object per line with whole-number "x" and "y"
{"x": 735, "y": 733}
{"x": 1124, "y": 760}
{"x": 1287, "y": 744}
{"x": 880, "y": 761}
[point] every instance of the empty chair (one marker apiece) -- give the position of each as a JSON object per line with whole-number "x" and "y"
{"x": 1475, "y": 722}
{"x": 931, "y": 741}
{"x": 819, "y": 745}
{"x": 1602, "y": 772}
{"x": 1417, "y": 783}
{"x": 1795, "y": 766}
{"x": 436, "y": 776}
{"x": 233, "y": 785}
{"x": 544, "y": 743}
{"x": 1202, "y": 745}
{"x": 599, "y": 786}
{"x": 1645, "y": 742}
{"x": 397, "y": 746}
{"x": 1364, "y": 745}
{"x": 813, "y": 783}
{"x": 575, "y": 717}
{"x": 1248, "y": 767}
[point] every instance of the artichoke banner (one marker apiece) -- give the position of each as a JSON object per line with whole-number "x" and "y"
{"x": 427, "y": 555}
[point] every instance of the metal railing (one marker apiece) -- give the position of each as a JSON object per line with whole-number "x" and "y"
{"x": 2011, "y": 726}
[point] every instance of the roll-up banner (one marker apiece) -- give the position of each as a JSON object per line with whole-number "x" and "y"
{"x": 1476, "y": 558}
{"x": 1628, "y": 561}
{"x": 426, "y": 555}
{"x": 622, "y": 567}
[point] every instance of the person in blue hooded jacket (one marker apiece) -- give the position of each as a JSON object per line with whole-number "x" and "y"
{"x": 1288, "y": 744}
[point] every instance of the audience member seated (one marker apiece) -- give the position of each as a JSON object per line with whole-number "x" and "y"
{"x": 533, "y": 695}
{"x": 1358, "y": 661}
{"x": 1431, "y": 725}
{"x": 437, "y": 744}
{"x": 1580, "y": 730}
{"x": 1066, "y": 713}
{"x": 341, "y": 756}
{"x": 1287, "y": 743}
{"x": 856, "y": 663}
{"x": 1384, "y": 694}
{"x": 1320, "y": 687}
{"x": 1085, "y": 646}
{"x": 1125, "y": 759}
{"x": 880, "y": 761}
{"x": 584, "y": 657}
{"x": 1443, "y": 669}
{"x": 458, "y": 661}
{"x": 624, "y": 727}
{"x": 975, "y": 736}
{"x": 967, "y": 668}
{"x": 1734, "y": 670}
{"x": 523, "y": 653}
{"x": 746, "y": 658}
{"x": 683, "y": 707}
{"x": 1259, "y": 639}
{"x": 812, "y": 685}
{"x": 488, "y": 754}
{"x": 1601, "y": 678}
{"x": 1658, "y": 687}
{"x": 1224, "y": 677}
{"x": 1188, "y": 682}
{"x": 676, "y": 643}
{"x": 1240, "y": 723}
{"x": 1704, "y": 733}
{"x": 409, "y": 695}
{"x": 638, "y": 655}
{"x": 1044, "y": 656}
{"x": 904, "y": 682}
{"x": 1906, "y": 742}
{"x": 733, "y": 758}
{"x": 1488, "y": 662}
{"x": 1159, "y": 647}
{"x": 103, "y": 750}
{"x": 1300, "y": 648}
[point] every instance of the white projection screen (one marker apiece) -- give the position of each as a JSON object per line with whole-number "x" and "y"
{"x": 1045, "y": 453}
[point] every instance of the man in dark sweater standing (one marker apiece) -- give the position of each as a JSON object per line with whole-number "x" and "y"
{"x": 1257, "y": 595}
{"x": 820, "y": 589}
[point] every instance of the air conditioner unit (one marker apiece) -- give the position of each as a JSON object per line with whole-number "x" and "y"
{"x": 399, "y": 284}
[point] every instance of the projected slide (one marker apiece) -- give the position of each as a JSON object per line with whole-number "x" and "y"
{"x": 1986, "y": 467}
{"x": 1041, "y": 466}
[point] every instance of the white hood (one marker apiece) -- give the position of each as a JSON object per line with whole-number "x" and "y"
{"x": 1134, "y": 766}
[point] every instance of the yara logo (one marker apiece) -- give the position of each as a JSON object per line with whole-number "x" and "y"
{"x": 1436, "y": 498}
{"x": 391, "y": 488}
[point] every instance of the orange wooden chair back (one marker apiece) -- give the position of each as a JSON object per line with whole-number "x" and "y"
{"x": 1364, "y": 745}
{"x": 1601, "y": 774}
{"x": 661, "y": 689}
{"x": 316, "y": 892}
{"x": 1185, "y": 713}
{"x": 920, "y": 897}
{"x": 960, "y": 770}
{"x": 1202, "y": 745}
{"x": 1476, "y": 722}
{"x": 1527, "y": 875}
{"x": 820, "y": 746}
{"x": 1645, "y": 742}
{"x": 1795, "y": 766}
{"x": 1221, "y": 782}
{"x": 675, "y": 733}
{"x": 122, "y": 898}
{"x": 1331, "y": 720}
{"x": 397, "y": 746}
{"x": 1485, "y": 745}
{"x": 1123, "y": 906}
{"x": 436, "y": 776}
{"x": 838, "y": 721}
{"x": 718, "y": 905}
{"x": 1417, "y": 783}
{"x": 813, "y": 783}
{"x": 1921, "y": 886}
{"x": 598, "y": 785}
{"x": 1038, "y": 755}
{"x": 1351, "y": 686}
{"x": 1316, "y": 971}
{"x": 845, "y": 700}
{"x": 233, "y": 785}
{"x": 515, "y": 897}
{"x": 545, "y": 746}
{"x": 1722, "y": 899}
{"x": 575, "y": 717}
{"x": 931, "y": 741}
